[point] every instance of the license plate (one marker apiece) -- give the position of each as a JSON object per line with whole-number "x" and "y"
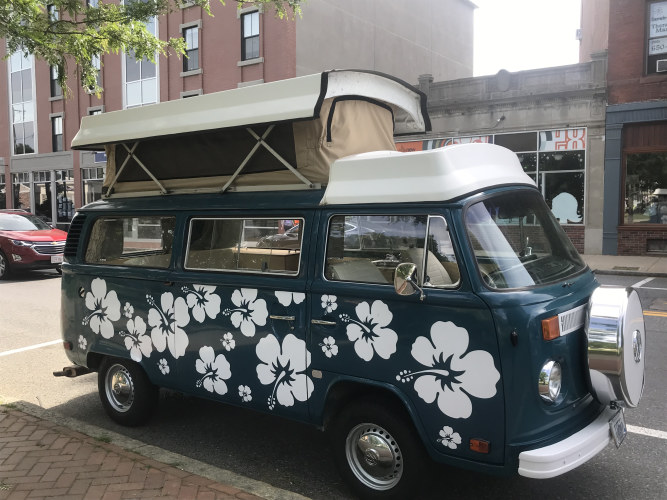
{"x": 56, "y": 259}
{"x": 618, "y": 428}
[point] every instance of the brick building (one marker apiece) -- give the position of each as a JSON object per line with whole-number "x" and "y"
{"x": 234, "y": 48}
{"x": 635, "y": 180}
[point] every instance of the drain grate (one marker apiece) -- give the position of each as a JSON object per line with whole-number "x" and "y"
{"x": 625, "y": 268}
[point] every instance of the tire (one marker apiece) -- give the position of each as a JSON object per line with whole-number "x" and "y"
{"x": 127, "y": 395}
{"x": 4, "y": 267}
{"x": 59, "y": 269}
{"x": 368, "y": 433}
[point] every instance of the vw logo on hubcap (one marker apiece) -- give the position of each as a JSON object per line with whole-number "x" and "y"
{"x": 637, "y": 345}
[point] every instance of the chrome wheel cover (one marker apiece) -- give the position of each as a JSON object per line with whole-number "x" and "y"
{"x": 119, "y": 388}
{"x": 374, "y": 457}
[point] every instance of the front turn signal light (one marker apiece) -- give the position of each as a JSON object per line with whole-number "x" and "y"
{"x": 550, "y": 328}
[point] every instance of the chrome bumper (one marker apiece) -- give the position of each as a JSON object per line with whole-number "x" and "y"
{"x": 565, "y": 455}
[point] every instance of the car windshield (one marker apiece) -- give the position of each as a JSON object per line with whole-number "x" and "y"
{"x": 21, "y": 222}
{"x": 518, "y": 243}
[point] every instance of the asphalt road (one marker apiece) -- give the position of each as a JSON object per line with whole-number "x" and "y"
{"x": 296, "y": 457}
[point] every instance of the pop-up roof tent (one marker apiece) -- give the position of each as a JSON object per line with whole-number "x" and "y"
{"x": 279, "y": 135}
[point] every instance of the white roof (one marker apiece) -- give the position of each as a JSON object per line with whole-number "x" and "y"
{"x": 281, "y": 101}
{"x": 433, "y": 175}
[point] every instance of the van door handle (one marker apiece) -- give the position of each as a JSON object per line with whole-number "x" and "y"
{"x": 322, "y": 322}
{"x": 282, "y": 318}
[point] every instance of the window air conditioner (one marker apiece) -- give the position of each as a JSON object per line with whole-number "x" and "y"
{"x": 661, "y": 66}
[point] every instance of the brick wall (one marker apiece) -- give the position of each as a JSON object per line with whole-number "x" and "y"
{"x": 634, "y": 241}
{"x": 576, "y": 235}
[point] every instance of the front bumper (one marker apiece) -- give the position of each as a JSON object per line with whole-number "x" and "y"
{"x": 571, "y": 452}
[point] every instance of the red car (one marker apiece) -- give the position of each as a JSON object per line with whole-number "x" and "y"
{"x": 27, "y": 242}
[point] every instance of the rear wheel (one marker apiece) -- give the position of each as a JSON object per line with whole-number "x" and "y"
{"x": 377, "y": 451}
{"x": 4, "y": 266}
{"x": 127, "y": 394}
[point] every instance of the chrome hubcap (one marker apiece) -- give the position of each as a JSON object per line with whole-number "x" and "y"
{"x": 374, "y": 456}
{"x": 119, "y": 388}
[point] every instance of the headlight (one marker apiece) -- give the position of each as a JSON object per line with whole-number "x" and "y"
{"x": 21, "y": 243}
{"x": 550, "y": 381}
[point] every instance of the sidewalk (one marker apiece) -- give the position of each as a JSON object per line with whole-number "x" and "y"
{"x": 627, "y": 265}
{"x": 42, "y": 457}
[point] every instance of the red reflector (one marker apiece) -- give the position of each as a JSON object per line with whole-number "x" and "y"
{"x": 67, "y": 346}
{"x": 480, "y": 446}
{"x": 550, "y": 328}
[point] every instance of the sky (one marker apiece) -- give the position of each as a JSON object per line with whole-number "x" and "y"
{"x": 517, "y": 35}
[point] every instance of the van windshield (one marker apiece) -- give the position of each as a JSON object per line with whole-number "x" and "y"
{"x": 518, "y": 243}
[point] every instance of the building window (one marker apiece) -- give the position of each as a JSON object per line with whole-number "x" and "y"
{"x": 57, "y": 133}
{"x": 646, "y": 188}
{"x": 250, "y": 36}
{"x": 141, "y": 87}
{"x": 56, "y": 89}
{"x": 95, "y": 111}
{"x": 42, "y": 194}
{"x": 22, "y": 115}
{"x": 21, "y": 190}
{"x": 92, "y": 179}
{"x": 656, "y": 52}
{"x": 53, "y": 12}
{"x": 92, "y": 3}
{"x": 97, "y": 64}
{"x": 191, "y": 58}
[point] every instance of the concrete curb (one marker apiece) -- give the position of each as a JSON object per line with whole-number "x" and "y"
{"x": 182, "y": 462}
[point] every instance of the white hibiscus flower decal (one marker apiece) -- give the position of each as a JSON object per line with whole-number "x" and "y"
{"x": 83, "y": 343}
{"x": 228, "y": 341}
{"x": 215, "y": 370}
{"x": 286, "y": 298}
{"x": 136, "y": 340}
{"x": 370, "y": 334}
{"x": 449, "y": 438}
{"x": 329, "y": 303}
{"x": 105, "y": 307}
{"x": 249, "y": 311}
{"x": 202, "y": 301}
{"x": 329, "y": 347}
{"x": 163, "y": 366}
{"x": 245, "y": 393}
{"x": 167, "y": 321}
{"x": 451, "y": 376}
{"x": 128, "y": 310}
{"x": 284, "y": 367}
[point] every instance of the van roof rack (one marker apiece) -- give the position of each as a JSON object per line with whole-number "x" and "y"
{"x": 273, "y": 136}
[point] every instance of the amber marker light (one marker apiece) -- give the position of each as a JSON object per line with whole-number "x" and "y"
{"x": 480, "y": 446}
{"x": 550, "y": 328}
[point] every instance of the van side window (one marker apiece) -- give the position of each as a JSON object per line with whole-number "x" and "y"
{"x": 441, "y": 266}
{"x": 368, "y": 248}
{"x": 246, "y": 245}
{"x": 131, "y": 241}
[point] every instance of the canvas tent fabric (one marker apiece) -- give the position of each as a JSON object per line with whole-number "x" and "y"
{"x": 276, "y": 135}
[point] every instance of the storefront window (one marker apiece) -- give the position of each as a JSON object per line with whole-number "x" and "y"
{"x": 91, "y": 184}
{"x": 21, "y": 190}
{"x": 42, "y": 195}
{"x": 64, "y": 195}
{"x": 646, "y": 188}
{"x": 3, "y": 192}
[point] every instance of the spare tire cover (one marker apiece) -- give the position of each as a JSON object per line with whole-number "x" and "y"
{"x": 616, "y": 344}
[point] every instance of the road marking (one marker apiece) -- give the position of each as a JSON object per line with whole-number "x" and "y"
{"x": 647, "y": 432}
{"x": 642, "y": 282}
{"x": 36, "y": 346}
{"x": 659, "y": 314}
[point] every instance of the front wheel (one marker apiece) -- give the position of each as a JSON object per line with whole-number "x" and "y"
{"x": 378, "y": 452}
{"x": 4, "y": 266}
{"x": 127, "y": 394}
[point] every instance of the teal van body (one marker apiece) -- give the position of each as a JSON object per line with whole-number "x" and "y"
{"x": 459, "y": 326}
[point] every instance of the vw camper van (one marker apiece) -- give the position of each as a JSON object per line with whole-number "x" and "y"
{"x": 267, "y": 247}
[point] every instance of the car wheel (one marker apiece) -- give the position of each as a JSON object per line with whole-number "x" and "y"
{"x": 127, "y": 394}
{"x": 4, "y": 266}
{"x": 378, "y": 451}
{"x": 59, "y": 269}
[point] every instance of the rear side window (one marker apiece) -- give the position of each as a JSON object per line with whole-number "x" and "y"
{"x": 131, "y": 241}
{"x": 367, "y": 249}
{"x": 245, "y": 245}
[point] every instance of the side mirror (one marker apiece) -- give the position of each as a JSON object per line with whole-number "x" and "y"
{"x": 404, "y": 280}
